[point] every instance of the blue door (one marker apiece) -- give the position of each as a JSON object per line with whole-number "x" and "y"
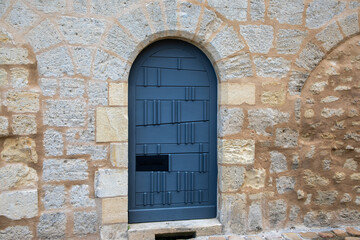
{"x": 172, "y": 134}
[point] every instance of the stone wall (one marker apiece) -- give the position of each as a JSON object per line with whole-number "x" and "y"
{"x": 288, "y": 116}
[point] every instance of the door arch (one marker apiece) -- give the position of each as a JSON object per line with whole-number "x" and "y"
{"x": 172, "y": 134}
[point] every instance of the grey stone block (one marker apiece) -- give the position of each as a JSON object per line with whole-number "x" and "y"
{"x": 297, "y": 81}
{"x": 54, "y": 196}
{"x": 43, "y": 36}
{"x": 85, "y": 223}
{"x": 72, "y": 88}
{"x": 285, "y": 184}
{"x": 82, "y": 59}
{"x": 350, "y": 24}
{"x": 53, "y": 143}
{"x": 98, "y": 93}
{"x": 21, "y": 17}
{"x": 261, "y": 119}
{"x": 64, "y": 113}
{"x": 289, "y": 40}
{"x": 16, "y": 232}
{"x": 107, "y": 66}
{"x": 48, "y": 86}
{"x": 330, "y": 36}
{"x": 278, "y": 162}
{"x": 286, "y": 138}
{"x": 272, "y": 67}
{"x": 226, "y": 42}
{"x": 319, "y": 12}
{"x": 277, "y": 212}
{"x": 255, "y": 217}
{"x": 136, "y": 22}
{"x": 257, "y": 10}
{"x": 230, "y": 121}
{"x": 96, "y": 152}
{"x": 52, "y": 226}
{"x": 54, "y": 6}
{"x": 286, "y": 11}
{"x": 55, "y": 63}
{"x": 79, "y": 196}
{"x": 259, "y": 38}
{"x": 65, "y": 170}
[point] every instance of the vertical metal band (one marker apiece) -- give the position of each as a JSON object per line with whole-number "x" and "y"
{"x": 159, "y": 77}
{"x": 178, "y": 177}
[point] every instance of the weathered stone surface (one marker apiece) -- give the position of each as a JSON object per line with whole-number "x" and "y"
{"x": 350, "y": 24}
{"x": 114, "y": 231}
{"x": 258, "y": 38}
{"x": 273, "y": 97}
{"x": 21, "y": 102}
{"x": 111, "y": 182}
{"x": 82, "y": 59}
{"x": 3, "y": 7}
{"x": 261, "y": 119}
{"x": 171, "y": 14}
{"x": 285, "y": 184}
{"x": 318, "y": 87}
{"x": 107, "y": 66}
{"x": 115, "y": 210}
{"x": 329, "y": 99}
{"x": 111, "y": 124}
{"x": 339, "y": 177}
{"x": 286, "y": 137}
{"x": 136, "y": 22}
{"x": 79, "y": 196}
{"x": 286, "y": 11}
{"x": 43, "y": 36}
{"x": 289, "y": 40}
{"x": 19, "y": 204}
{"x": 55, "y": 63}
{"x": 16, "y": 232}
{"x": 54, "y": 196}
{"x": 232, "y": 213}
{"x": 21, "y": 17}
{"x": 104, "y": 7}
{"x": 3, "y": 77}
{"x": 24, "y": 124}
{"x": 210, "y": 22}
{"x": 294, "y": 212}
{"x": 21, "y": 149}
{"x": 257, "y": 10}
{"x": 52, "y": 226}
{"x": 81, "y": 30}
{"x": 238, "y": 66}
{"x": 236, "y": 151}
{"x": 96, "y": 152}
{"x": 226, "y": 42}
{"x": 310, "y": 57}
{"x": 278, "y": 162}
{"x": 255, "y": 178}
{"x": 349, "y": 216}
{"x": 233, "y": 10}
{"x": 342, "y": 88}
{"x": 49, "y": 6}
{"x": 255, "y": 217}
{"x": 53, "y": 143}
{"x": 317, "y": 219}
{"x": 64, "y": 170}
{"x": 64, "y": 113}
{"x": 156, "y": 16}
{"x": 351, "y": 164}
{"x": 320, "y": 12}
{"x": 237, "y": 93}
{"x": 97, "y": 93}
{"x": 326, "y": 197}
{"x": 83, "y": 135}
{"x": 331, "y": 112}
{"x": 232, "y": 178}
{"x": 19, "y": 77}
{"x": 189, "y": 16}
{"x": 313, "y": 179}
{"x": 72, "y": 88}
{"x": 330, "y": 36}
{"x": 230, "y": 121}
{"x": 14, "y": 56}
{"x": 272, "y": 67}
{"x": 17, "y": 176}
{"x": 118, "y": 94}
{"x": 355, "y": 176}
{"x": 48, "y": 86}
{"x": 4, "y": 124}
{"x": 79, "y": 6}
{"x": 277, "y": 212}
{"x": 119, "y": 154}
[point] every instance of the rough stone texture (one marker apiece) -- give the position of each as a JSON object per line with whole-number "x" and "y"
{"x": 277, "y": 212}
{"x": 53, "y": 143}
{"x": 210, "y": 22}
{"x": 54, "y": 196}
{"x": 43, "y": 36}
{"x": 114, "y": 231}
{"x": 54, "y": 6}
{"x": 326, "y": 197}
{"x": 85, "y": 223}
{"x": 330, "y": 36}
{"x": 137, "y": 24}
{"x": 104, "y": 7}
{"x": 232, "y": 178}
{"x": 71, "y": 88}
{"x": 261, "y": 119}
{"x": 111, "y": 182}
{"x": 232, "y": 212}
{"x": 17, "y": 176}
{"x": 294, "y": 212}
{"x": 230, "y": 121}
{"x": 79, "y": 6}
{"x": 24, "y": 124}
{"x": 274, "y": 97}
{"x": 64, "y": 170}
{"x": 171, "y": 14}
{"x": 21, "y": 102}
{"x": 119, "y": 154}
{"x": 329, "y": 99}
{"x": 331, "y": 112}
{"x": 21, "y": 149}
{"x": 278, "y": 162}
{"x": 285, "y": 184}
{"x": 4, "y": 124}
{"x": 97, "y": 93}
{"x": 19, "y": 204}
{"x": 350, "y": 24}
{"x": 310, "y": 57}
{"x": 16, "y": 232}
{"x": 55, "y": 63}
{"x": 317, "y": 219}
{"x": 96, "y": 152}
{"x": 236, "y": 151}
{"x": 10, "y": 55}
{"x": 48, "y": 86}
{"x": 318, "y": 87}
{"x": 21, "y": 16}
{"x": 115, "y": 210}
{"x": 289, "y": 41}
{"x": 118, "y": 94}
{"x": 189, "y": 16}
{"x": 3, "y": 77}
{"x": 3, "y": 7}
{"x": 52, "y": 226}
{"x": 64, "y": 113}
{"x": 79, "y": 196}
{"x": 82, "y": 58}
{"x": 234, "y": 10}
{"x": 313, "y": 179}
{"x": 107, "y": 66}
{"x": 255, "y": 217}
{"x": 238, "y": 66}
{"x": 320, "y": 12}
{"x": 351, "y": 164}
{"x": 111, "y": 124}
{"x": 272, "y": 67}
{"x": 226, "y": 42}
{"x": 81, "y": 30}
{"x": 258, "y": 38}
{"x": 255, "y": 178}
{"x": 257, "y": 10}
{"x": 237, "y": 94}
{"x": 156, "y": 16}
{"x": 19, "y": 77}
{"x": 287, "y": 12}
{"x": 286, "y": 137}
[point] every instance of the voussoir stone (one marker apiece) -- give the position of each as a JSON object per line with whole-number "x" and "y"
{"x": 259, "y": 38}
{"x": 286, "y": 11}
{"x": 350, "y": 24}
{"x": 108, "y": 66}
{"x": 55, "y": 63}
{"x": 189, "y": 17}
{"x": 330, "y": 36}
{"x": 310, "y": 57}
{"x": 320, "y": 12}
{"x": 43, "y": 36}
{"x": 233, "y": 10}
{"x": 156, "y": 16}
{"x": 237, "y": 151}
{"x": 137, "y": 24}
{"x": 289, "y": 40}
{"x": 19, "y": 204}
{"x": 21, "y": 149}
{"x": 210, "y": 22}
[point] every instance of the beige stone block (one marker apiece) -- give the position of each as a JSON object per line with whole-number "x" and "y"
{"x": 273, "y": 97}
{"x": 118, "y": 94}
{"x": 236, "y": 151}
{"x": 255, "y": 178}
{"x": 119, "y": 154}
{"x": 14, "y": 56}
{"x": 22, "y": 102}
{"x": 3, "y": 78}
{"x": 114, "y": 210}
{"x": 237, "y": 93}
{"x": 111, "y": 124}
{"x": 17, "y": 176}
{"x": 21, "y": 149}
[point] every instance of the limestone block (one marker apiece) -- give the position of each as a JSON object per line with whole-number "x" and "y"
{"x": 272, "y": 67}
{"x": 71, "y": 88}
{"x": 285, "y": 184}
{"x": 79, "y": 6}
{"x": 19, "y": 204}
{"x": 118, "y": 94}
{"x": 4, "y": 124}
{"x": 208, "y": 25}
{"x": 189, "y": 16}
{"x": 48, "y": 86}
{"x": 171, "y": 14}
{"x": 55, "y": 63}
{"x": 119, "y": 154}
{"x": 238, "y": 66}
{"x": 97, "y": 93}
{"x": 21, "y": 102}
{"x": 351, "y": 164}
{"x": 313, "y": 179}
{"x": 231, "y": 178}
{"x": 24, "y": 124}
{"x": 96, "y": 152}
{"x": 297, "y": 81}
{"x": 54, "y": 6}
{"x": 278, "y": 162}
{"x": 331, "y": 112}
{"x": 262, "y": 119}
{"x": 277, "y": 212}
{"x": 85, "y": 223}
{"x": 81, "y": 30}
{"x": 16, "y": 232}
{"x": 286, "y": 137}
{"x": 286, "y": 12}
{"x": 21, "y": 149}
{"x": 111, "y": 183}
{"x": 294, "y": 213}
{"x": 273, "y": 97}
{"x": 17, "y": 176}
{"x": 114, "y": 232}
{"x": 82, "y": 59}
{"x": 3, "y": 77}
{"x": 104, "y": 7}
{"x": 236, "y": 151}
{"x": 79, "y": 196}
{"x": 258, "y": 38}
{"x": 257, "y": 10}
{"x": 43, "y": 36}
{"x": 64, "y": 113}
{"x": 19, "y": 77}
{"x": 54, "y": 196}
{"x": 14, "y": 56}
{"x": 330, "y": 36}
{"x": 136, "y": 22}
{"x": 255, "y": 178}
{"x": 318, "y": 219}
{"x": 342, "y": 88}
{"x": 53, "y": 143}
{"x": 111, "y": 124}
{"x": 350, "y": 24}
{"x": 255, "y": 217}
{"x": 289, "y": 41}
{"x": 226, "y": 42}
{"x": 237, "y": 93}
{"x": 114, "y": 210}
{"x": 156, "y": 16}
{"x": 230, "y": 121}
{"x": 233, "y": 212}
{"x": 310, "y": 57}
{"x": 52, "y": 226}
{"x": 64, "y": 170}
{"x": 326, "y": 198}
{"x": 318, "y": 87}
{"x": 21, "y": 17}
{"x": 232, "y": 10}
{"x": 320, "y": 12}
{"x": 297, "y": 110}
{"x": 107, "y": 66}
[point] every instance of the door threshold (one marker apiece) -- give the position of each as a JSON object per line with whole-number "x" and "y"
{"x": 201, "y": 227}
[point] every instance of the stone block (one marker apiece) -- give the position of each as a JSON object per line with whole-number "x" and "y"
{"x": 273, "y": 97}
{"x": 16, "y": 232}
{"x": 136, "y": 23}
{"x": 233, "y": 212}
{"x": 277, "y": 212}
{"x": 257, "y": 10}
{"x": 96, "y": 152}
{"x": 286, "y": 12}
{"x": 209, "y": 23}
{"x": 286, "y": 138}
{"x": 285, "y": 184}
{"x": 319, "y": 12}
{"x": 156, "y": 16}
{"x": 52, "y": 226}
{"x": 326, "y": 198}
{"x": 17, "y": 176}
{"x": 258, "y": 38}
{"x": 278, "y": 162}
{"x": 19, "y": 77}
{"x": 21, "y": 17}
{"x": 21, "y": 149}
{"x": 21, "y": 102}
{"x": 318, "y": 87}
{"x": 64, "y": 170}
{"x": 104, "y": 7}
{"x": 255, "y": 217}
{"x": 230, "y": 121}
{"x": 255, "y": 178}
{"x": 53, "y": 143}
{"x": 3, "y": 7}
{"x": 114, "y": 210}
{"x": 318, "y": 219}
{"x": 233, "y": 10}
{"x": 297, "y": 81}
{"x": 111, "y": 183}
{"x": 171, "y": 14}
{"x": 351, "y": 164}
{"x": 55, "y": 63}
{"x": 107, "y": 66}
{"x": 310, "y": 57}
{"x": 111, "y": 124}
{"x": 85, "y": 223}
{"x": 54, "y": 196}
{"x": 82, "y": 58}
{"x": 294, "y": 213}
{"x": 119, "y": 154}
{"x": 10, "y": 55}
{"x": 48, "y": 86}
{"x": 331, "y": 112}
{"x": 24, "y": 124}
{"x": 19, "y": 204}
{"x": 64, "y": 113}
{"x": 43, "y": 36}
{"x": 114, "y": 232}
{"x": 289, "y": 41}
{"x": 226, "y": 43}
{"x": 272, "y": 67}
{"x": 118, "y": 94}
{"x": 54, "y": 6}
{"x": 79, "y": 196}
{"x": 238, "y": 66}
{"x": 3, "y": 77}
{"x": 330, "y": 36}
{"x": 189, "y": 16}
{"x": 350, "y": 24}
{"x": 261, "y": 120}
{"x": 97, "y": 93}
{"x": 237, "y": 93}
{"x": 72, "y": 88}
{"x": 79, "y": 6}
{"x": 236, "y": 151}
{"x": 4, "y": 125}
{"x": 231, "y": 178}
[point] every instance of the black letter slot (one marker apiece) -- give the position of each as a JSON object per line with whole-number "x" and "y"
{"x": 152, "y": 163}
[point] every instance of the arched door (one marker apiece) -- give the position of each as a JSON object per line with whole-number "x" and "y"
{"x": 172, "y": 134}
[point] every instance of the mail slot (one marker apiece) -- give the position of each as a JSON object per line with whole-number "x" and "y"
{"x": 152, "y": 163}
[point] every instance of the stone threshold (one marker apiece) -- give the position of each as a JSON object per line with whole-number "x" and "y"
{"x": 147, "y": 231}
